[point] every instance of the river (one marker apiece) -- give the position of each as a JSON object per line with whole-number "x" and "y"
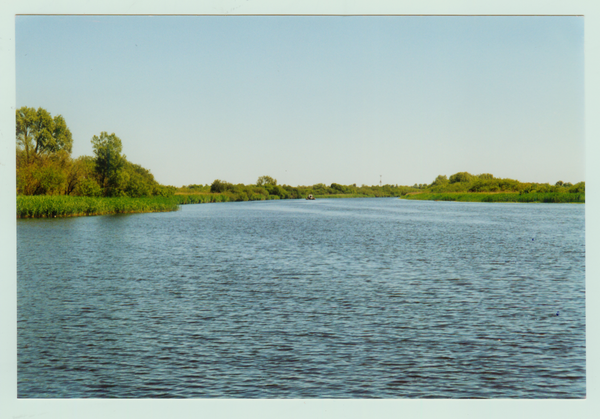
{"x": 338, "y": 298}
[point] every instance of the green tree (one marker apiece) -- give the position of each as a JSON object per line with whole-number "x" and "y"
{"x": 109, "y": 162}
{"x": 461, "y": 177}
{"x": 88, "y": 187}
{"x": 62, "y": 139}
{"x": 266, "y": 180}
{"x": 81, "y": 169}
{"x": 37, "y": 132}
{"x": 44, "y": 175}
{"x": 440, "y": 181}
{"x": 140, "y": 181}
{"x": 219, "y": 186}
{"x": 577, "y": 188}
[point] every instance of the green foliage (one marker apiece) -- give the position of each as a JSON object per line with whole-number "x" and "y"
{"x": 87, "y": 187}
{"x": 137, "y": 182}
{"x": 551, "y": 197}
{"x": 43, "y": 174}
{"x": 577, "y": 188}
{"x": 487, "y": 183}
{"x": 136, "y": 186}
{"x": 66, "y": 206}
{"x": 38, "y": 133}
{"x": 45, "y": 167}
{"x": 219, "y": 186}
{"x": 81, "y": 169}
{"x": 109, "y": 163}
{"x": 441, "y": 180}
{"x": 276, "y": 190}
{"x": 319, "y": 189}
{"x": 462, "y": 177}
{"x": 201, "y": 198}
{"x": 266, "y": 180}
{"x": 241, "y": 192}
{"x": 293, "y": 192}
{"x": 193, "y": 188}
{"x": 50, "y": 179}
{"x": 164, "y": 191}
{"x": 340, "y": 188}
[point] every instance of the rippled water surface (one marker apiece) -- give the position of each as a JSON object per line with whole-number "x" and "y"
{"x": 346, "y": 298}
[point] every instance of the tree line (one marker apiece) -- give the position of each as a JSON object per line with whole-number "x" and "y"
{"x": 45, "y": 165}
{"x": 267, "y": 187}
{"x": 486, "y": 182}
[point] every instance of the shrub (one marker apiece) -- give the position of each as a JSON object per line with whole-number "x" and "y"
{"x": 219, "y": 186}
{"x": 462, "y": 177}
{"x": 87, "y": 187}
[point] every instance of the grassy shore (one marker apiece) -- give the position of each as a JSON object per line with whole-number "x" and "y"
{"x": 555, "y": 197}
{"x": 43, "y": 206}
{"x": 204, "y": 198}
{"x": 46, "y": 206}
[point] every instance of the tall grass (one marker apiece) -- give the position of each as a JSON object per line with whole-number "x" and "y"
{"x": 40, "y": 206}
{"x": 46, "y": 206}
{"x": 200, "y": 198}
{"x": 551, "y": 197}
{"x": 183, "y": 199}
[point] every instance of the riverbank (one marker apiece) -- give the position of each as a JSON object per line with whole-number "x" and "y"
{"x": 53, "y": 206}
{"x": 553, "y": 197}
{"x": 44, "y": 206}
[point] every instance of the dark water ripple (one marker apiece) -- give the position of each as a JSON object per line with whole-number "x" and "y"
{"x": 353, "y": 298}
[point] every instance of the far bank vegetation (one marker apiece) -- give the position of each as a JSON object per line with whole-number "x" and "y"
{"x": 463, "y": 186}
{"x": 83, "y": 185}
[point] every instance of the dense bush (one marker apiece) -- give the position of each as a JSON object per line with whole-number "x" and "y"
{"x": 45, "y": 166}
{"x": 487, "y": 183}
{"x": 219, "y": 186}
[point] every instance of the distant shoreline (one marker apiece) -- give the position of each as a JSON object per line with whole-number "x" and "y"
{"x": 45, "y": 206}
{"x": 544, "y": 198}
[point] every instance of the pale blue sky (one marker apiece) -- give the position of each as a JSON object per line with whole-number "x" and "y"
{"x": 310, "y": 99}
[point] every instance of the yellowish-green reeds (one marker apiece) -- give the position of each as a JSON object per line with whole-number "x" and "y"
{"x": 44, "y": 206}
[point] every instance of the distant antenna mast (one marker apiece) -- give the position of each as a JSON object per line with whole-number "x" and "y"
{"x": 379, "y": 180}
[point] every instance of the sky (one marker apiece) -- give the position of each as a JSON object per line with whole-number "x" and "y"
{"x": 316, "y": 99}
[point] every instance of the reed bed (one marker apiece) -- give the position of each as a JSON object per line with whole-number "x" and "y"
{"x": 44, "y": 206}
{"x": 185, "y": 199}
{"x": 553, "y": 197}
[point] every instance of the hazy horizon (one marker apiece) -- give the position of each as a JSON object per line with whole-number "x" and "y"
{"x": 316, "y": 99}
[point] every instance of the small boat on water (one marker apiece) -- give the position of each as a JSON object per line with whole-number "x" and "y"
{"x": 310, "y": 197}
